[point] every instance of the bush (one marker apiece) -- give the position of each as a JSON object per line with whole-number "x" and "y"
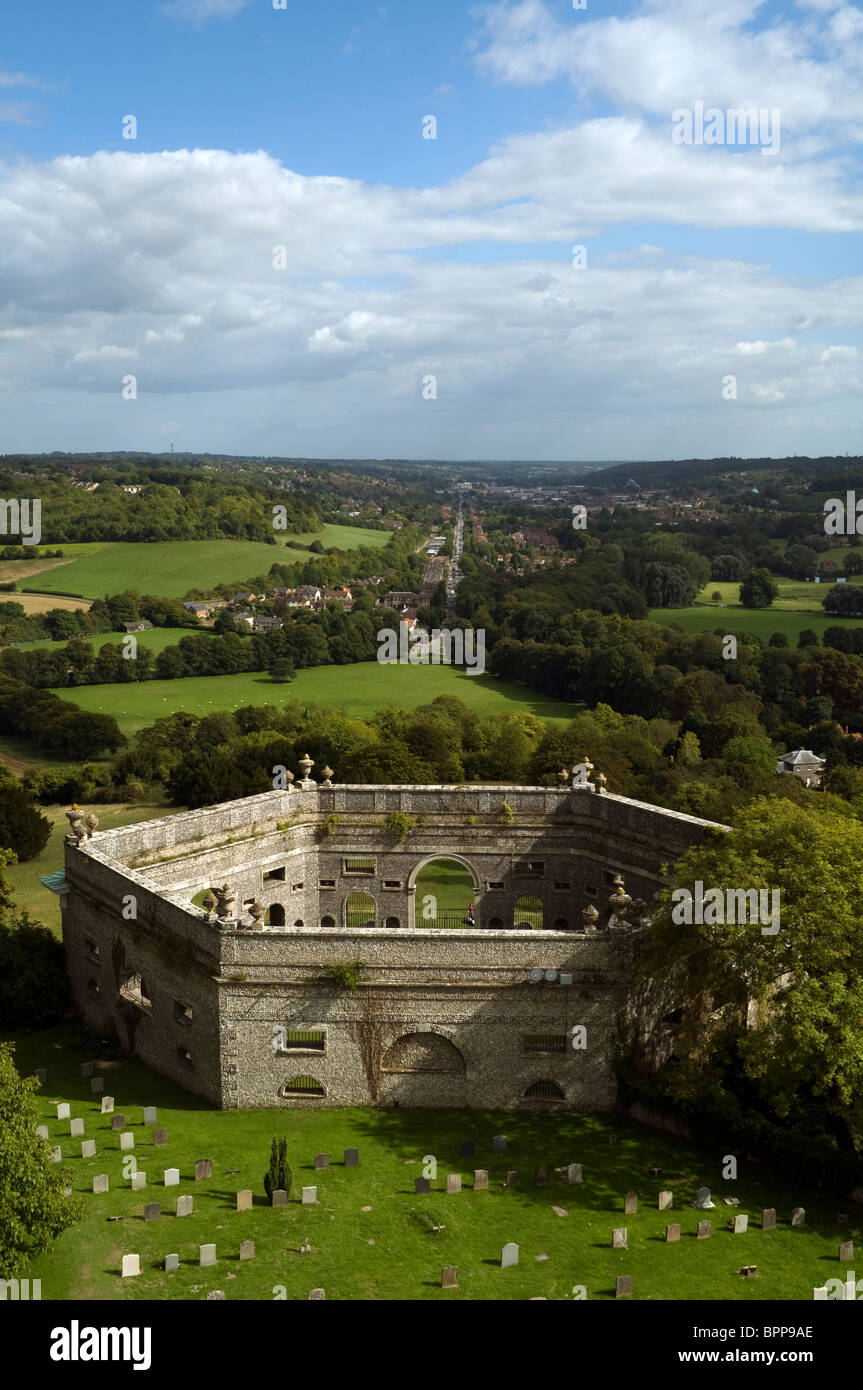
{"x": 278, "y": 1177}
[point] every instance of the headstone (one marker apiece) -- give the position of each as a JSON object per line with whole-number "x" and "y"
{"x": 540, "y": 1177}
{"x": 666, "y": 1201}
{"x": 630, "y": 1204}
{"x": 185, "y": 1205}
{"x": 702, "y": 1200}
{"x": 512, "y": 1178}
{"x": 203, "y": 1169}
{"x": 449, "y": 1277}
{"x": 618, "y": 1238}
{"x": 118, "y": 1121}
{"x": 672, "y": 1233}
{"x": 768, "y": 1219}
{"x": 244, "y": 1199}
{"x": 321, "y": 1161}
{"x": 748, "y": 1271}
{"x": 100, "y": 1183}
{"x": 846, "y": 1250}
{"x": 480, "y": 1180}
{"x": 97, "y": 1086}
{"x": 131, "y": 1265}
{"x": 741, "y": 1223}
{"x": 76, "y": 1129}
{"x": 42, "y": 1131}
{"x": 56, "y": 1154}
{"x": 422, "y": 1187}
{"x": 172, "y": 1177}
{"x": 150, "y": 1115}
{"x": 107, "y": 1105}
{"x": 279, "y": 1197}
{"x": 139, "y": 1181}
{"x": 453, "y": 1182}
{"x": 63, "y": 1111}
{"x": 654, "y": 1172}
{"x": 247, "y": 1249}
{"x": 152, "y": 1211}
{"x": 731, "y": 1201}
{"x": 704, "y": 1230}
{"x": 216, "y": 1296}
{"x": 88, "y": 1148}
{"x": 623, "y": 1286}
{"x": 559, "y": 1211}
{"x": 127, "y": 1141}
{"x": 467, "y": 1149}
{"x": 310, "y": 1196}
{"x": 798, "y": 1216}
{"x": 509, "y": 1255}
{"x": 207, "y": 1255}
{"x": 86, "y": 1069}
{"x": 316, "y": 1295}
{"x": 573, "y": 1173}
{"x": 41, "y": 1075}
{"x": 160, "y": 1138}
{"x": 352, "y": 1158}
{"x": 172, "y": 1264}
{"x": 499, "y": 1143}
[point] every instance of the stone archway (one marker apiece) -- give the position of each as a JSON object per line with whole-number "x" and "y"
{"x": 411, "y": 886}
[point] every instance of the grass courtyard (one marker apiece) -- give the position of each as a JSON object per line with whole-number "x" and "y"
{"x": 369, "y": 1236}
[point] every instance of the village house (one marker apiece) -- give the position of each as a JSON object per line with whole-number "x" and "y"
{"x": 803, "y": 763}
{"x": 199, "y": 610}
{"x": 140, "y": 625}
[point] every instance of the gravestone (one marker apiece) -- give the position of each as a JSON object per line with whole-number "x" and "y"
{"x": 216, "y": 1296}
{"x": 573, "y": 1173}
{"x": 97, "y": 1086}
{"x": 666, "y": 1201}
{"x": 316, "y": 1295}
{"x": 247, "y": 1249}
{"x": 654, "y": 1172}
{"x": 480, "y": 1180}
{"x": 540, "y": 1177}
{"x": 118, "y": 1121}
{"x": 150, "y": 1115}
{"x": 152, "y": 1211}
{"x": 41, "y": 1075}
{"x": 740, "y": 1225}
{"x": 467, "y": 1149}
{"x": 509, "y": 1255}
{"x": 63, "y": 1111}
{"x": 172, "y": 1177}
{"x": 702, "y": 1200}
{"x": 846, "y": 1250}
{"x": 42, "y": 1131}
{"x": 207, "y": 1255}
{"x": 453, "y": 1182}
{"x": 618, "y": 1238}
{"x": 672, "y": 1233}
{"x": 244, "y": 1199}
{"x": 449, "y": 1277}
{"x": 76, "y": 1129}
{"x": 704, "y": 1230}
{"x": 131, "y": 1265}
{"x": 748, "y": 1271}
{"x": 798, "y": 1216}
{"x": 321, "y": 1161}
{"x": 630, "y": 1204}
{"x": 107, "y": 1105}
{"x": 127, "y": 1141}
{"x": 160, "y": 1138}
{"x": 498, "y": 1143}
{"x": 86, "y": 1069}
{"x": 100, "y": 1183}
{"x": 352, "y": 1158}
{"x": 203, "y": 1169}
{"x": 768, "y": 1219}
{"x": 57, "y": 1154}
{"x": 172, "y": 1264}
{"x": 279, "y": 1197}
{"x": 310, "y": 1196}
{"x": 512, "y": 1178}
{"x": 612, "y": 1139}
{"x": 623, "y": 1286}
{"x": 185, "y": 1205}
{"x": 422, "y": 1187}
{"x": 139, "y": 1181}
{"x": 88, "y": 1148}
{"x": 559, "y": 1211}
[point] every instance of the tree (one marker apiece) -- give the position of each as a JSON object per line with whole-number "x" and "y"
{"x": 283, "y": 670}
{"x": 844, "y": 600}
{"x": 23, "y": 828}
{"x": 278, "y": 1177}
{"x": 728, "y": 567}
{"x": 758, "y": 589}
{"x": 33, "y": 987}
{"x": 668, "y": 586}
{"x": 33, "y": 1210}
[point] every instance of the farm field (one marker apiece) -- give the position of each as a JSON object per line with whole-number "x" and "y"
{"x": 359, "y": 690}
{"x": 797, "y": 607}
{"x": 156, "y": 639}
{"x": 369, "y": 1232}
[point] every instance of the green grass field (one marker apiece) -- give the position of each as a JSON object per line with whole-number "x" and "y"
{"x": 360, "y": 689}
{"x": 369, "y": 1236}
{"x": 797, "y": 607}
{"x": 156, "y": 639}
{"x": 173, "y": 567}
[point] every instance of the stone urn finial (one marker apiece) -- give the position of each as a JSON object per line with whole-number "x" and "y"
{"x": 226, "y": 900}
{"x": 564, "y": 775}
{"x": 92, "y": 823}
{"x": 289, "y": 778}
{"x": 74, "y": 817}
{"x": 79, "y": 831}
{"x": 256, "y": 912}
{"x": 326, "y": 773}
{"x": 589, "y": 916}
{"x": 209, "y": 902}
{"x": 601, "y": 783}
{"x": 618, "y": 904}
{"x": 306, "y": 765}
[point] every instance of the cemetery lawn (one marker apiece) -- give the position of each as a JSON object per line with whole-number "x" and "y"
{"x": 359, "y": 689}
{"x": 389, "y": 1252}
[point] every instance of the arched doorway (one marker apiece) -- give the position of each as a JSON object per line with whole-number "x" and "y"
{"x": 446, "y": 892}
{"x": 275, "y": 915}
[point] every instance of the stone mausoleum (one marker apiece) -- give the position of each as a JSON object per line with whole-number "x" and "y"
{"x": 271, "y": 952}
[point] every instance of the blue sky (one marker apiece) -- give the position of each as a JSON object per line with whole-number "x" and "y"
{"x": 410, "y": 258}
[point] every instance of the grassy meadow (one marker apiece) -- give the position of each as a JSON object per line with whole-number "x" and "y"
{"x": 798, "y": 606}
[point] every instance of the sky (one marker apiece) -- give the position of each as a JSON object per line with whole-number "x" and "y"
{"x": 318, "y": 228}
